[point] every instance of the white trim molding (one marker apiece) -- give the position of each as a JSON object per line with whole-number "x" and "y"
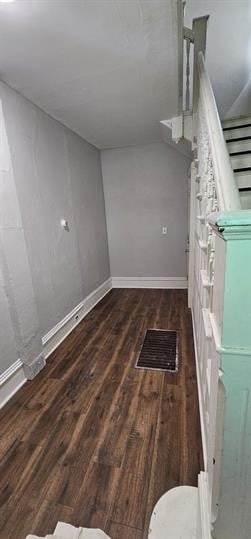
{"x": 149, "y": 282}
{"x": 203, "y": 513}
{"x": 14, "y": 377}
{"x": 59, "y": 332}
{"x": 10, "y": 381}
{"x": 200, "y": 394}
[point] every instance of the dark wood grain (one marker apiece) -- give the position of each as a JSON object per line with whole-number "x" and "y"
{"x": 94, "y": 441}
{"x": 118, "y": 531}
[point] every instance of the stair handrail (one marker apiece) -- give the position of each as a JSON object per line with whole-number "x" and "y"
{"x": 219, "y": 235}
{"x": 227, "y": 191}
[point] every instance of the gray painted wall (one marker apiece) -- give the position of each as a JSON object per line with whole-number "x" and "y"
{"x": 242, "y": 105}
{"x": 9, "y": 352}
{"x": 56, "y": 174}
{"x": 228, "y": 46}
{"x": 146, "y": 188}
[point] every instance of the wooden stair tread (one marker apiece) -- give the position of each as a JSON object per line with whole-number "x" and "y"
{"x": 237, "y": 134}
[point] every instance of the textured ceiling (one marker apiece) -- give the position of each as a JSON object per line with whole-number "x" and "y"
{"x": 105, "y": 68}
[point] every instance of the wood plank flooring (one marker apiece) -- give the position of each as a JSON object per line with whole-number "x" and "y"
{"x": 93, "y": 441}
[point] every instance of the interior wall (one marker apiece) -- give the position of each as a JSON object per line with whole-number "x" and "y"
{"x": 112, "y": 64}
{"x": 56, "y": 175}
{"x": 146, "y": 189}
{"x": 228, "y": 46}
{"x": 9, "y": 352}
{"x": 242, "y": 105}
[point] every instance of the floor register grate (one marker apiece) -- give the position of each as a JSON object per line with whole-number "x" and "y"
{"x": 159, "y": 350}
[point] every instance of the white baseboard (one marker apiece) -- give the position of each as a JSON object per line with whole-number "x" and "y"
{"x": 10, "y": 381}
{"x": 149, "y": 282}
{"x": 59, "y": 332}
{"x": 199, "y": 384}
{"x": 204, "y": 512}
{"x": 14, "y": 377}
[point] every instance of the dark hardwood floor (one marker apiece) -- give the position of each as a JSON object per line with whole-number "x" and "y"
{"x": 94, "y": 441}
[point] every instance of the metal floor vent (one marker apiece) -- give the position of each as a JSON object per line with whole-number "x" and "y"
{"x": 159, "y": 351}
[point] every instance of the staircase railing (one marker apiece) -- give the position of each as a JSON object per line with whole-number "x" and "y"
{"x": 211, "y": 134}
{"x": 219, "y": 288}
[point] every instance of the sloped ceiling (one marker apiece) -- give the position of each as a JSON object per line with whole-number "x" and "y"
{"x": 105, "y": 68}
{"x": 228, "y": 46}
